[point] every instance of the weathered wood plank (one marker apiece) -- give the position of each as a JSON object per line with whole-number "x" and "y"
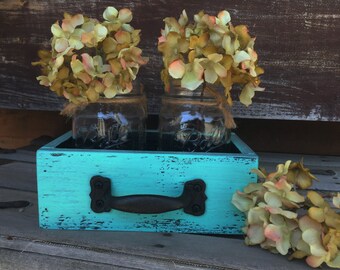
{"x": 16, "y": 259}
{"x": 308, "y": 160}
{"x": 297, "y": 42}
{"x": 18, "y": 175}
{"x": 20, "y": 155}
{"x": 275, "y": 136}
{"x": 18, "y": 169}
{"x": 21, "y": 236}
{"x": 19, "y": 231}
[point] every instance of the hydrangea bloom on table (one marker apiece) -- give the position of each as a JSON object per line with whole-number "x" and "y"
{"x": 274, "y": 222}
{"x": 210, "y": 50}
{"x": 89, "y": 59}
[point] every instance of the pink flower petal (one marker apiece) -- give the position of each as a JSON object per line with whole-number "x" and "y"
{"x": 123, "y": 63}
{"x": 88, "y": 63}
{"x": 314, "y": 261}
{"x": 177, "y": 69}
{"x": 161, "y": 39}
{"x": 212, "y": 19}
{"x": 282, "y": 184}
{"x": 77, "y": 20}
{"x": 273, "y": 232}
{"x": 125, "y": 15}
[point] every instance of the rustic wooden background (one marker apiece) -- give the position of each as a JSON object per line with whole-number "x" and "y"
{"x": 298, "y": 43}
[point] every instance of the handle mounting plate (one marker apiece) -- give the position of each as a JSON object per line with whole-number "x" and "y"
{"x": 192, "y": 199}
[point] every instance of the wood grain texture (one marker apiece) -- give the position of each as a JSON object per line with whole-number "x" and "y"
{"x": 298, "y": 44}
{"x": 23, "y": 243}
{"x": 63, "y": 179}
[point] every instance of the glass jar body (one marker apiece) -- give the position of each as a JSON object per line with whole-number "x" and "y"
{"x": 192, "y": 121}
{"x": 111, "y": 124}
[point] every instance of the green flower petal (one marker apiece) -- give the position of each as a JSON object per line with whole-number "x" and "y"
{"x": 257, "y": 215}
{"x": 61, "y": 44}
{"x": 43, "y": 80}
{"x": 88, "y": 64}
{"x": 215, "y": 57}
{"x": 335, "y": 263}
{"x": 227, "y": 46}
{"x": 279, "y": 211}
{"x": 100, "y": 32}
{"x": 193, "y": 76}
{"x": 220, "y": 70}
{"x": 295, "y": 197}
{"x": 190, "y": 81}
{"x": 76, "y": 66}
{"x": 252, "y": 187}
{"x": 306, "y": 223}
{"x": 110, "y": 92}
{"x": 76, "y": 43}
{"x": 336, "y": 200}
{"x": 125, "y": 15}
{"x": 313, "y": 239}
{"x": 210, "y": 75}
{"x": 88, "y": 26}
{"x": 128, "y": 28}
{"x": 110, "y": 14}
{"x": 241, "y": 56}
{"x": 255, "y": 234}
{"x": 272, "y": 199}
{"x": 224, "y": 17}
{"x": 276, "y": 219}
{"x": 248, "y": 92}
{"x": 57, "y": 31}
{"x": 183, "y": 19}
{"x": 58, "y": 61}
{"x": 242, "y": 203}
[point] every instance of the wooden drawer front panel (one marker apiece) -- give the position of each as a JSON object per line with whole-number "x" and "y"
{"x": 64, "y": 186}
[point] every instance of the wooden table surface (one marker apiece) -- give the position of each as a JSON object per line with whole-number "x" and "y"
{"x": 23, "y": 245}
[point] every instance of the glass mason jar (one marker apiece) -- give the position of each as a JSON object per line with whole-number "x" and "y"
{"x": 117, "y": 123}
{"x": 193, "y": 121}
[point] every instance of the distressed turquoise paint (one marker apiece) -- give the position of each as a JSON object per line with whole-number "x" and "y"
{"x": 64, "y": 175}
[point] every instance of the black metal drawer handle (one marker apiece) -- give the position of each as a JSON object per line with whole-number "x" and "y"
{"x": 192, "y": 199}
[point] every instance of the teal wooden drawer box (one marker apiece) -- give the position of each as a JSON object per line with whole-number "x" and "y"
{"x": 147, "y": 190}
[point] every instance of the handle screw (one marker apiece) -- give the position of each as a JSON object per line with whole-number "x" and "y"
{"x": 197, "y": 188}
{"x": 99, "y": 203}
{"x": 99, "y": 184}
{"x": 196, "y": 208}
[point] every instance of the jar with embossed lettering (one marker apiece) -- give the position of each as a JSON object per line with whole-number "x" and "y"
{"x": 193, "y": 121}
{"x": 117, "y": 123}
